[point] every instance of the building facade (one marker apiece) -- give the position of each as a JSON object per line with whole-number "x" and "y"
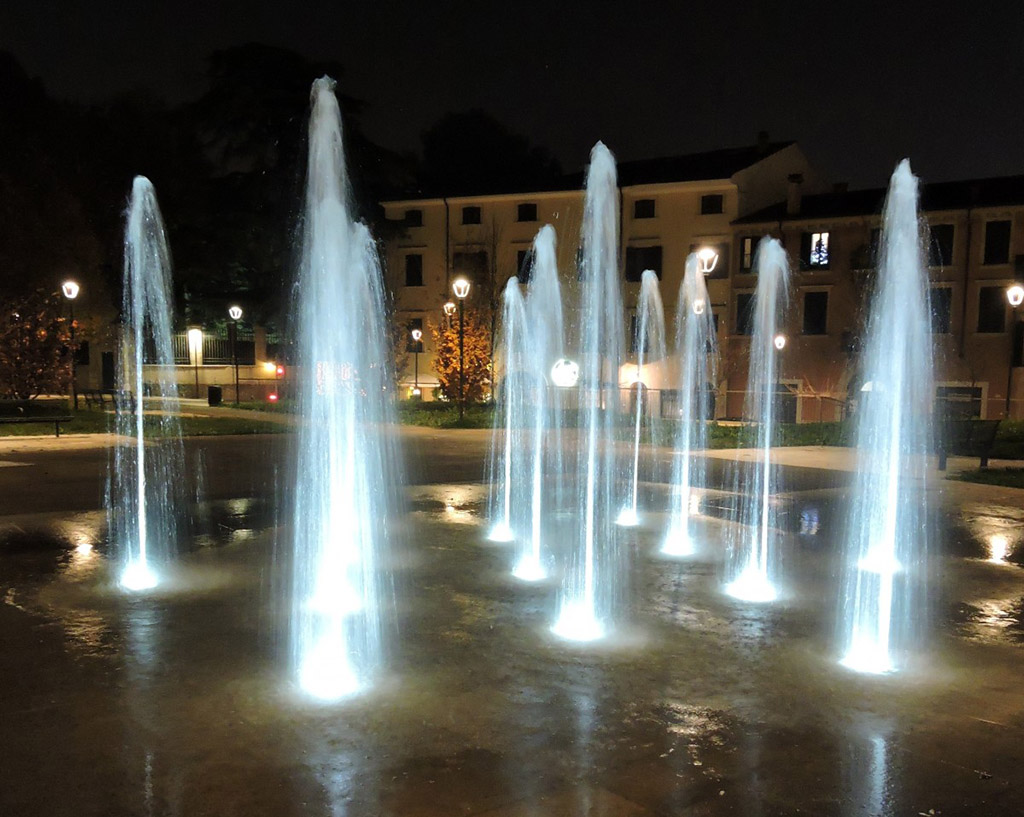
{"x": 668, "y": 207}
{"x": 974, "y": 244}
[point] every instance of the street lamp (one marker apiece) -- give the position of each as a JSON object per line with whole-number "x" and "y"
{"x": 70, "y": 289}
{"x": 460, "y": 286}
{"x": 1015, "y": 296}
{"x": 195, "y": 346}
{"x": 417, "y": 336}
{"x": 707, "y": 260}
{"x": 235, "y": 313}
{"x": 779, "y": 341}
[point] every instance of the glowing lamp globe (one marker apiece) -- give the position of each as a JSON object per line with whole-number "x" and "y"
{"x": 70, "y": 289}
{"x": 780, "y": 342}
{"x": 1015, "y": 295}
{"x": 565, "y": 373}
{"x": 235, "y": 312}
{"x": 707, "y": 260}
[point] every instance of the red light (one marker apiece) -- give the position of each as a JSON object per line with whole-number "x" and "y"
{"x": 280, "y": 371}
{"x": 272, "y": 398}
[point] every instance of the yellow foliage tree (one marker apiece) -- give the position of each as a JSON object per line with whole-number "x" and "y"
{"x": 476, "y": 362}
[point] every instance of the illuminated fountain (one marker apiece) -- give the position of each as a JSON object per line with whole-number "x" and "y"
{"x": 346, "y": 471}
{"x": 546, "y": 341}
{"x": 752, "y": 568}
{"x": 884, "y": 600}
{"x": 515, "y": 372}
{"x": 696, "y": 354}
{"x": 593, "y": 583}
{"x": 649, "y": 342}
{"x": 145, "y": 477}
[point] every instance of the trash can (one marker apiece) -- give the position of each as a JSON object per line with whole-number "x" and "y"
{"x": 214, "y": 394}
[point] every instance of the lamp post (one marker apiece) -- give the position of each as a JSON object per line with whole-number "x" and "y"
{"x": 195, "y": 346}
{"x": 70, "y": 289}
{"x": 460, "y": 286}
{"x": 1015, "y": 296}
{"x": 449, "y": 312}
{"x": 235, "y": 313}
{"x": 417, "y": 337}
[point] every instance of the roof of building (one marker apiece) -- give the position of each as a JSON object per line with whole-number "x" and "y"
{"x": 712, "y": 164}
{"x": 957, "y": 195}
{"x": 692, "y": 167}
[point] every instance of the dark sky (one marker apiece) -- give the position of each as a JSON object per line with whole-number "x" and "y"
{"x": 858, "y": 84}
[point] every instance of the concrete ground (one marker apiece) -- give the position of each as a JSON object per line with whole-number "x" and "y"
{"x": 177, "y": 703}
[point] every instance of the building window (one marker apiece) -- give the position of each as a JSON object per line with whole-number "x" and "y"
{"x": 942, "y": 308}
{"x": 413, "y": 345}
{"x": 526, "y": 212}
{"x": 711, "y": 204}
{"x": 814, "y": 250}
{"x": 413, "y": 218}
{"x": 940, "y": 246}
{"x": 744, "y": 313}
{"x": 643, "y": 208}
{"x": 414, "y": 270}
{"x": 470, "y": 215}
{"x": 992, "y": 309}
{"x": 997, "y": 242}
{"x": 524, "y": 266}
{"x": 639, "y": 259}
{"x": 748, "y": 248}
{"x": 815, "y": 313}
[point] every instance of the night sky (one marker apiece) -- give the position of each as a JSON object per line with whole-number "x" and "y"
{"x": 859, "y": 86}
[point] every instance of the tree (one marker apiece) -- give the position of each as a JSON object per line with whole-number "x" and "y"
{"x": 477, "y": 357}
{"x": 472, "y": 152}
{"x": 34, "y": 354}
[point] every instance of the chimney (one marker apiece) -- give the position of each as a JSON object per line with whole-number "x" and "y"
{"x": 762, "y": 142}
{"x": 796, "y": 181}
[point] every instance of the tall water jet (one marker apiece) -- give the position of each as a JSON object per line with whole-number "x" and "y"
{"x": 884, "y": 599}
{"x": 649, "y": 343}
{"x": 546, "y": 322}
{"x": 346, "y": 470}
{"x": 592, "y": 584}
{"x": 515, "y": 371}
{"x": 146, "y": 477}
{"x": 752, "y": 565}
{"x": 696, "y": 355}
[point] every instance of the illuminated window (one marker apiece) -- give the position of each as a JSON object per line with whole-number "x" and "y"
{"x": 748, "y": 247}
{"x": 814, "y": 250}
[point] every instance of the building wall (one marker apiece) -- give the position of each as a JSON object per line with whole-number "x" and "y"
{"x": 823, "y": 365}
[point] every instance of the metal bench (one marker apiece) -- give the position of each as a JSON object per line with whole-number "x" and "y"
{"x": 16, "y": 414}
{"x": 970, "y": 438}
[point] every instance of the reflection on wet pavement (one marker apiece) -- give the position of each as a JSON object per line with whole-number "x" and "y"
{"x": 177, "y": 704}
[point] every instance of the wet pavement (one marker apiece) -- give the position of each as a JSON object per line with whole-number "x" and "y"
{"x": 176, "y": 703}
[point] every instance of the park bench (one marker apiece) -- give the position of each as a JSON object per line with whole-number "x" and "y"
{"x": 120, "y": 400}
{"x": 22, "y": 412}
{"x": 970, "y": 438}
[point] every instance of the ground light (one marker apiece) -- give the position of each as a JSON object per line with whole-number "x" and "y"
{"x": 751, "y": 585}
{"x": 138, "y": 576}
{"x": 576, "y": 622}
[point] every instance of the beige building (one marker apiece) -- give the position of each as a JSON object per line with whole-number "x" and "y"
{"x": 975, "y": 252}
{"x": 668, "y": 207}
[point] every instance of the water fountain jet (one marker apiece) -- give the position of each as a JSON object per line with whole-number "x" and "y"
{"x": 346, "y": 469}
{"x": 884, "y": 595}
{"x": 144, "y": 492}
{"x": 696, "y": 354}
{"x": 752, "y": 564}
